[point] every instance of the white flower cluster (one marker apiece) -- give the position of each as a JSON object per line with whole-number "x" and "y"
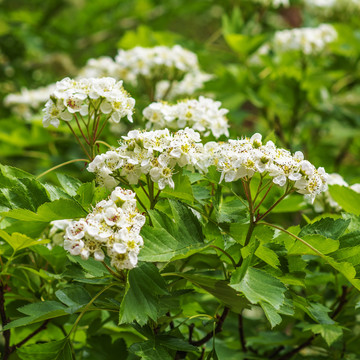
{"x": 81, "y": 96}
{"x": 236, "y": 159}
{"x": 154, "y": 153}
{"x": 27, "y": 103}
{"x": 307, "y": 40}
{"x": 190, "y": 84}
{"x": 158, "y": 63}
{"x": 330, "y": 7}
{"x": 203, "y": 115}
{"x": 326, "y": 200}
{"x": 113, "y": 225}
{"x": 57, "y": 232}
{"x": 273, "y": 3}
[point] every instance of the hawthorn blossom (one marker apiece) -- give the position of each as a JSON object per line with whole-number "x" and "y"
{"x": 103, "y": 95}
{"x": 203, "y": 115}
{"x": 112, "y": 228}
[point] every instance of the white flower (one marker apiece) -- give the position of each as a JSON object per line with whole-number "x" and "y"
{"x": 72, "y": 97}
{"x": 203, "y": 115}
{"x": 156, "y": 62}
{"x": 113, "y": 226}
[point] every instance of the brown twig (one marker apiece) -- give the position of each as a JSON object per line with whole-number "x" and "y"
{"x": 241, "y": 333}
{"x": 218, "y": 329}
{"x": 35, "y": 332}
{"x": 4, "y": 321}
{"x": 342, "y": 301}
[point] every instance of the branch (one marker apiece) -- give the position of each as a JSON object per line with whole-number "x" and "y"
{"x": 241, "y": 333}
{"x": 218, "y": 329}
{"x": 35, "y": 332}
{"x": 342, "y": 301}
{"x": 4, "y": 321}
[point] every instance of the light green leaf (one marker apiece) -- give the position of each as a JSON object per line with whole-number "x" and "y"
{"x": 56, "y": 210}
{"x": 330, "y": 333}
{"x": 267, "y": 255}
{"x": 70, "y": 184}
{"x": 19, "y": 241}
{"x": 141, "y": 300}
{"x": 271, "y": 313}
{"x": 319, "y": 242}
{"x": 231, "y": 211}
{"x": 183, "y": 189}
{"x": 347, "y": 198}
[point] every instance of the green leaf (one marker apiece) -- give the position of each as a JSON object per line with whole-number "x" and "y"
{"x": 219, "y": 289}
{"x": 231, "y": 211}
{"x": 319, "y": 313}
{"x": 69, "y": 184}
{"x": 54, "y": 350}
{"x": 267, "y": 255}
{"x": 326, "y": 227}
{"x": 259, "y": 286}
{"x": 91, "y": 266}
{"x": 174, "y": 343}
{"x": 19, "y": 241}
{"x": 141, "y": 300}
{"x": 244, "y": 44}
{"x": 149, "y": 351}
{"x": 37, "y": 312}
{"x": 74, "y": 296}
{"x": 86, "y": 194}
{"x": 56, "y": 210}
{"x": 175, "y": 237}
{"x": 347, "y": 198}
{"x": 330, "y": 333}
{"x": 271, "y": 313}
{"x": 183, "y": 189}
{"x": 319, "y": 242}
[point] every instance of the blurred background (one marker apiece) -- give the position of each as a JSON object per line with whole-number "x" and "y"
{"x": 307, "y": 102}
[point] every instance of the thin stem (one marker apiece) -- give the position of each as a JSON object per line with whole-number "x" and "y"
{"x": 83, "y": 135}
{"x": 218, "y": 329}
{"x": 104, "y": 143}
{"x": 87, "y": 307}
{"x": 248, "y": 237}
{"x": 60, "y": 165}
{"x": 112, "y": 272}
{"x": 259, "y": 186}
{"x": 263, "y": 198}
{"x": 78, "y": 140}
{"x": 275, "y": 204}
{"x": 294, "y": 236}
{"x": 35, "y": 332}
{"x": 96, "y": 135}
{"x": 225, "y": 253}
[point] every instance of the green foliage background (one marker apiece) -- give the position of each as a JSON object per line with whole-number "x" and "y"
{"x": 312, "y": 108}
